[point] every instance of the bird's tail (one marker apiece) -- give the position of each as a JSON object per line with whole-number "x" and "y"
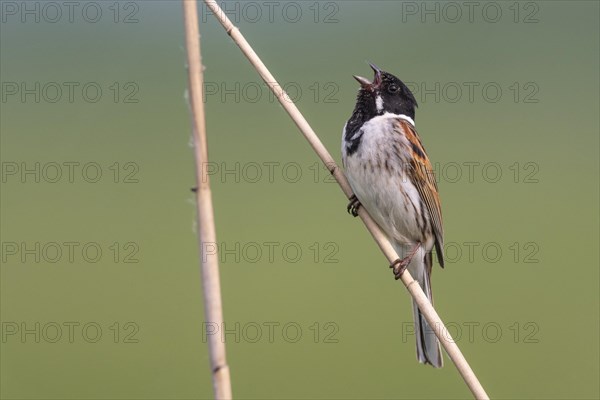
{"x": 428, "y": 346}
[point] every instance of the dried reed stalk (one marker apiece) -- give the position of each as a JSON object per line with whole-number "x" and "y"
{"x": 211, "y": 287}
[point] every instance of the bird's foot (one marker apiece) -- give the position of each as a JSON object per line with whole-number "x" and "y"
{"x": 353, "y": 206}
{"x": 399, "y": 266}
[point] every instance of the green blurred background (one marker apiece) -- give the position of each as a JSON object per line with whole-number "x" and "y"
{"x": 523, "y": 304}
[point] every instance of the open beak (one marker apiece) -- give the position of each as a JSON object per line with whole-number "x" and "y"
{"x": 364, "y": 82}
{"x": 367, "y": 84}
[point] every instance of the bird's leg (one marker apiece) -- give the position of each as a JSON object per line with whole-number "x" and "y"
{"x": 400, "y": 265}
{"x": 353, "y": 206}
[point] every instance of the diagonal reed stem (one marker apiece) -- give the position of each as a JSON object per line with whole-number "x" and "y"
{"x": 413, "y": 287}
{"x": 211, "y": 287}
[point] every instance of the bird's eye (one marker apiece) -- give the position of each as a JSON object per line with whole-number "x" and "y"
{"x": 393, "y": 88}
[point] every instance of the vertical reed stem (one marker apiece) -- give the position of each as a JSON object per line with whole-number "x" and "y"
{"x": 213, "y": 310}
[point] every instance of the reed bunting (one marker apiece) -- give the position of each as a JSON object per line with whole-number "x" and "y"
{"x": 392, "y": 178}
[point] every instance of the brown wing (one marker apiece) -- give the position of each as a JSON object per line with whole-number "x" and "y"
{"x": 423, "y": 177}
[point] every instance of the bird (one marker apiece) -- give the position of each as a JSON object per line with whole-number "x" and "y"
{"x": 392, "y": 178}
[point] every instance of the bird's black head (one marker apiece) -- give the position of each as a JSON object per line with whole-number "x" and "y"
{"x": 385, "y": 94}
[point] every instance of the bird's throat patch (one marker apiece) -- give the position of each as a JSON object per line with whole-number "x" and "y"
{"x": 379, "y": 103}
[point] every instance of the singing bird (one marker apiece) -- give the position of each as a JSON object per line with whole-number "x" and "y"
{"x": 392, "y": 178}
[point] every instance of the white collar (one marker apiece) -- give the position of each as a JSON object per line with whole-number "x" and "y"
{"x": 401, "y": 116}
{"x": 407, "y": 118}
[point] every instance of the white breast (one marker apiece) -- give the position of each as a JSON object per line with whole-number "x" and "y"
{"x": 377, "y": 171}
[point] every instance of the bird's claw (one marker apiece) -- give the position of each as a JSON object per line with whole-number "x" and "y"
{"x": 399, "y": 266}
{"x": 353, "y": 206}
